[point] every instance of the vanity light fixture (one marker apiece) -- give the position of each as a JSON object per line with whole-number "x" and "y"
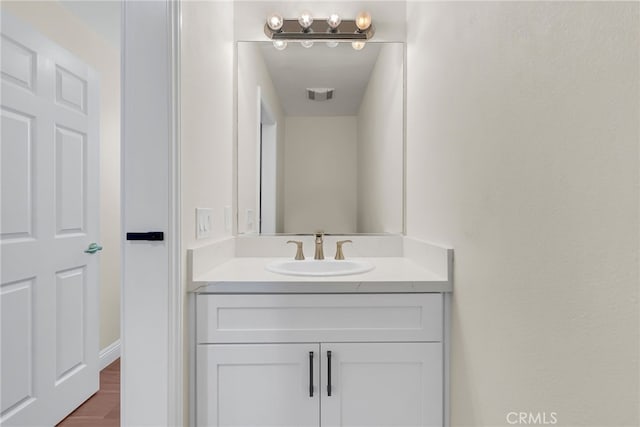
{"x": 280, "y": 44}
{"x": 330, "y": 30}
{"x": 305, "y": 20}
{"x": 363, "y": 21}
{"x": 275, "y": 22}
{"x": 306, "y": 44}
{"x": 334, "y": 21}
{"x": 358, "y": 45}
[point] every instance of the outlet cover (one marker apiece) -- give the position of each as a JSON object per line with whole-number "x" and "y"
{"x": 204, "y": 222}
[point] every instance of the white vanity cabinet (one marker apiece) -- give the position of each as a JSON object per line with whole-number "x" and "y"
{"x": 319, "y": 360}
{"x": 256, "y": 385}
{"x": 382, "y": 384}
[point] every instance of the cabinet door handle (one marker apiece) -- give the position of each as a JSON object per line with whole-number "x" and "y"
{"x": 328, "y": 373}
{"x": 311, "y": 374}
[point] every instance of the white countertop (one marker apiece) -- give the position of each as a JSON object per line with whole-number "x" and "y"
{"x": 248, "y": 275}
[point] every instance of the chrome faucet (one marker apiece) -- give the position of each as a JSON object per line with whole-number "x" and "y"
{"x": 319, "y": 251}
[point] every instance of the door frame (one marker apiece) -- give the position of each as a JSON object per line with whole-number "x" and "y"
{"x": 267, "y": 150}
{"x": 165, "y": 17}
{"x": 176, "y": 386}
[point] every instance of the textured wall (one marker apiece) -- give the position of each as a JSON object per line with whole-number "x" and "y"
{"x": 254, "y": 88}
{"x": 207, "y": 128}
{"x": 320, "y": 161}
{"x": 522, "y": 133}
{"x": 380, "y": 145}
{"x": 207, "y": 75}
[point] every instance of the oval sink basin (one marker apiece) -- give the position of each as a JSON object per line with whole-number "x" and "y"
{"x": 325, "y": 267}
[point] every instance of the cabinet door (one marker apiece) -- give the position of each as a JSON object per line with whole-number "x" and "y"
{"x": 381, "y": 384}
{"x": 258, "y": 385}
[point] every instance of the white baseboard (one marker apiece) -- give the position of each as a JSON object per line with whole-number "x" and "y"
{"x": 109, "y": 354}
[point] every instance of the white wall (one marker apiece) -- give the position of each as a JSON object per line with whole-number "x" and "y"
{"x": 67, "y": 30}
{"x": 522, "y": 133}
{"x": 280, "y": 202}
{"x": 380, "y": 145}
{"x": 254, "y": 84}
{"x": 320, "y": 174}
{"x": 207, "y": 128}
{"x": 207, "y": 98}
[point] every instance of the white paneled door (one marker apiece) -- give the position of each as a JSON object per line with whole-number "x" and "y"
{"x": 49, "y": 218}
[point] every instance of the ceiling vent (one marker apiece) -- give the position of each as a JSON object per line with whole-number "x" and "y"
{"x": 320, "y": 94}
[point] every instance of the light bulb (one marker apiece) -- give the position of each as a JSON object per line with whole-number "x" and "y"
{"x": 305, "y": 20}
{"x": 280, "y": 44}
{"x": 275, "y": 22}
{"x": 363, "y": 21}
{"x": 358, "y": 45}
{"x": 306, "y": 43}
{"x": 332, "y": 43}
{"x": 334, "y": 21}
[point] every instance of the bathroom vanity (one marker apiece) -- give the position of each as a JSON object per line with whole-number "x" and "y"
{"x": 282, "y": 350}
{"x": 272, "y": 343}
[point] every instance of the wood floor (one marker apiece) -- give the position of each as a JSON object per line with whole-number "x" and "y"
{"x": 103, "y": 408}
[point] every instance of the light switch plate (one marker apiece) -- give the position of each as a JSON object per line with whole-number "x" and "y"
{"x": 204, "y": 222}
{"x": 228, "y": 220}
{"x": 250, "y": 220}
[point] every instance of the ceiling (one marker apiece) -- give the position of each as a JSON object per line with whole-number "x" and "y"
{"x": 296, "y": 68}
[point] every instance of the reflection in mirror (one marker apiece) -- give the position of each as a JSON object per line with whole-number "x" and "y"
{"x": 320, "y": 138}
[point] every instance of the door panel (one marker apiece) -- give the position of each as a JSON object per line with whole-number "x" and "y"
{"x": 17, "y": 342}
{"x": 17, "y": 171}
{"x": 382, "y": 384}
{"x": 49, "y": 285}
{"x": 71, "y": 90}
{"x": 70, "y": 181}
{"x": 70, "y": 340}
{"x": 18, "y": 63}
{"x": 257, "y": 385}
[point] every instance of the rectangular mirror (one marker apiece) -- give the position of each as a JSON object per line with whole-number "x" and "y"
{"x": 320, "y": 138}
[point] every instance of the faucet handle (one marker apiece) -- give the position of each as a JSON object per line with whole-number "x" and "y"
{"x": 299, "y": 253}
{"x": 339, "y": 254}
